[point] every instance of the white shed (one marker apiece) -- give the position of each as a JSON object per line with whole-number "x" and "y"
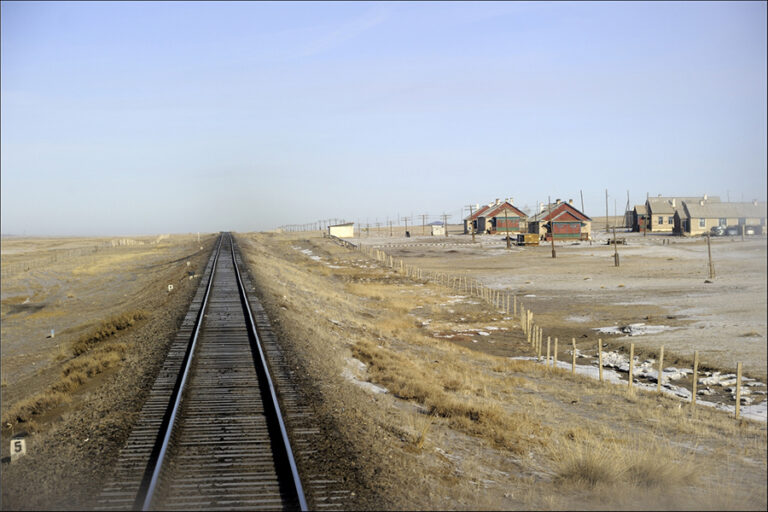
{"x": 438, "y": 229}
{"x": 342, "y": 230}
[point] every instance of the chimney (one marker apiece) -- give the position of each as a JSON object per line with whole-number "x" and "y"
{"x": 754, "y": 202}
{"x": 557, "y": 201}
{"x": 705, "y": 197}
{"x": 701, "y": 203}
{"x": 673, "y": 202}
{"x": 570, "y": 201}
{"x": 511, "y": 201}
{"x": 541, "y": 207}
{"x": 498, "y": 201}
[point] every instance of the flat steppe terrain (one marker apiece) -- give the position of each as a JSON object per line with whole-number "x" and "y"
{"x": 426, "y": 396}
{"x": 439, "y": 406}
{"x": 661, "y": 282}
{"x": 75, "y": 395}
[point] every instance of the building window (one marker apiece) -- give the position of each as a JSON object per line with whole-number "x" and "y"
{"x": 670, "y": 220}
{"x": 722, "y": 222}
{"x": 702, "y": 223}
{"x": 661, "y": 220}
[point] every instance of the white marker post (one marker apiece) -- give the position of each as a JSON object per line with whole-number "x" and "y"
{"x": 18, "y": 448}
{"x": 170, "y": 288}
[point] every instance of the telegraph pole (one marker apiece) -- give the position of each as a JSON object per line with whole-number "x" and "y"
{"x": 506, "y": 227}
{"x": 709, "y": 253}
{"x": 471, "y": 224}
{"x": 423, "y": 223}
{"x": 390, "y": 227}
{"x": 551, "y": 226}
{"x": 606, "y": 211}
{"x": 406, "y": 219}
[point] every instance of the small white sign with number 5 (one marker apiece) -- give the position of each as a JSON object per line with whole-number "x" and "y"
{"x": 18, "y": 448}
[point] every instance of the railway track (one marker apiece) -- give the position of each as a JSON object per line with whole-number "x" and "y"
{"x": 211, "y": 435}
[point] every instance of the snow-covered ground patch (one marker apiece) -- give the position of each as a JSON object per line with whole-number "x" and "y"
{"x": 638, "y": 329}
{"x": 758, "y": 412}
{"x": 579, "y": 319}
{"x": 353, "y": 373}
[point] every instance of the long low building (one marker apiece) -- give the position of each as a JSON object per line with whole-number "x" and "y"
{"x": 699, "y": 217}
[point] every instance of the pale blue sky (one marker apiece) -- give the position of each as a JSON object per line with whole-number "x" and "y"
{"x": 149, "y": 117}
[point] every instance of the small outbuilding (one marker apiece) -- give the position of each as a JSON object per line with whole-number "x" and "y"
{"x": 438, "y": 229}
{"x": 639, "y": 218}
{"x": 346, "y": 230}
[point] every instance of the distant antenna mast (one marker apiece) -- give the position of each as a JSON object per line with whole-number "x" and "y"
{"x": 626, "y": 222}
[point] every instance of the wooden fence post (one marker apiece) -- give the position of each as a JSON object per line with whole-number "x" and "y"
{"x": 546, "y": 363}
{"x": 554, "y": 355}
{"x": 631, "y": 363}
{"x": 695, "y": 377}
{"x": 661, "y": 370}
{"x": 738, "y": 389}
{"x": 600, "y": 358}
{"x": 538, "y": 351}
{"x": 573, "y": 363}
{"x": 514, "y": 304}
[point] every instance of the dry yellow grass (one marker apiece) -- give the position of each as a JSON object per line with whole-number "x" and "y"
{"x": 601, "y": 446}
{"x": 92, "y": 354}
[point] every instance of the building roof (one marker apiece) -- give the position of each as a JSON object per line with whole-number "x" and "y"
{"x": 496, "y": 210}
{"x": 339, "y": 225}
{"x": 695, "y": 210}
{"x": 478, "y": 212}
{"x": 558, "y": 209}
{"x": 640, "y": 209}
{"x": 664, "y": 204}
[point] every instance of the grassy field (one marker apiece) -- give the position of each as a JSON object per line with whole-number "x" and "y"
{"x": 443, "y": 424}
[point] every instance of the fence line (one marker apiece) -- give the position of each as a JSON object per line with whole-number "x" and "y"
{"x": 534, "y": 333}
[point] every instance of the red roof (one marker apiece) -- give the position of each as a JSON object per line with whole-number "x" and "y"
{"x": 496, "y": 209}
{"x": 477, "y": 213}
{"x": 561, "y": 212}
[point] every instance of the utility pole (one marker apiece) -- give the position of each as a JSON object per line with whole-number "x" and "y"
{"x": 711, "y": 266}
{"x": 378, "y": 225}
{"x": 582, "y": 201}
{"x": 406, "y": 219}
{"x": 615, "y": 249}
{"x": 606, "y": 211}
{"x": 625, "y": 212}
{"x": 551, "y": 226}
{"x": 445, "y": 223}
{"x": 471, "y": 223}
{"x": 506, "y": 227}
{"x": 423, "y": 223}
{"x": 390, "y": 227}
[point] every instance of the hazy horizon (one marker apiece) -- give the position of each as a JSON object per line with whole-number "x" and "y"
{"x": 148, "y": 118}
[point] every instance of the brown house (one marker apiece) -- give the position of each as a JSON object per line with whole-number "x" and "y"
{"x": 503, "y": 217}
{"x": 561, "y": 219}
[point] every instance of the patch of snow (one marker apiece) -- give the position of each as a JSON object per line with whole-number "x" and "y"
{"x": 576, "y": 318}
{"x": 638, "y": 329}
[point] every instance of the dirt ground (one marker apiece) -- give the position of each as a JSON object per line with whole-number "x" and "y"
{"x": 73, "y": 288}
{"x": 661, "y": 281}
{"x": 433, "y": 423}
{"x": 412, "y": 420}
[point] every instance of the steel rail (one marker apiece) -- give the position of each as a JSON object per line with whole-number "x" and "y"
{"x": 146, "y": 499}
{"x": 286, "y": 444}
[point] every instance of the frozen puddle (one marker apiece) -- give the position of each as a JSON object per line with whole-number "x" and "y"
{"x": 634, "y": 329}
